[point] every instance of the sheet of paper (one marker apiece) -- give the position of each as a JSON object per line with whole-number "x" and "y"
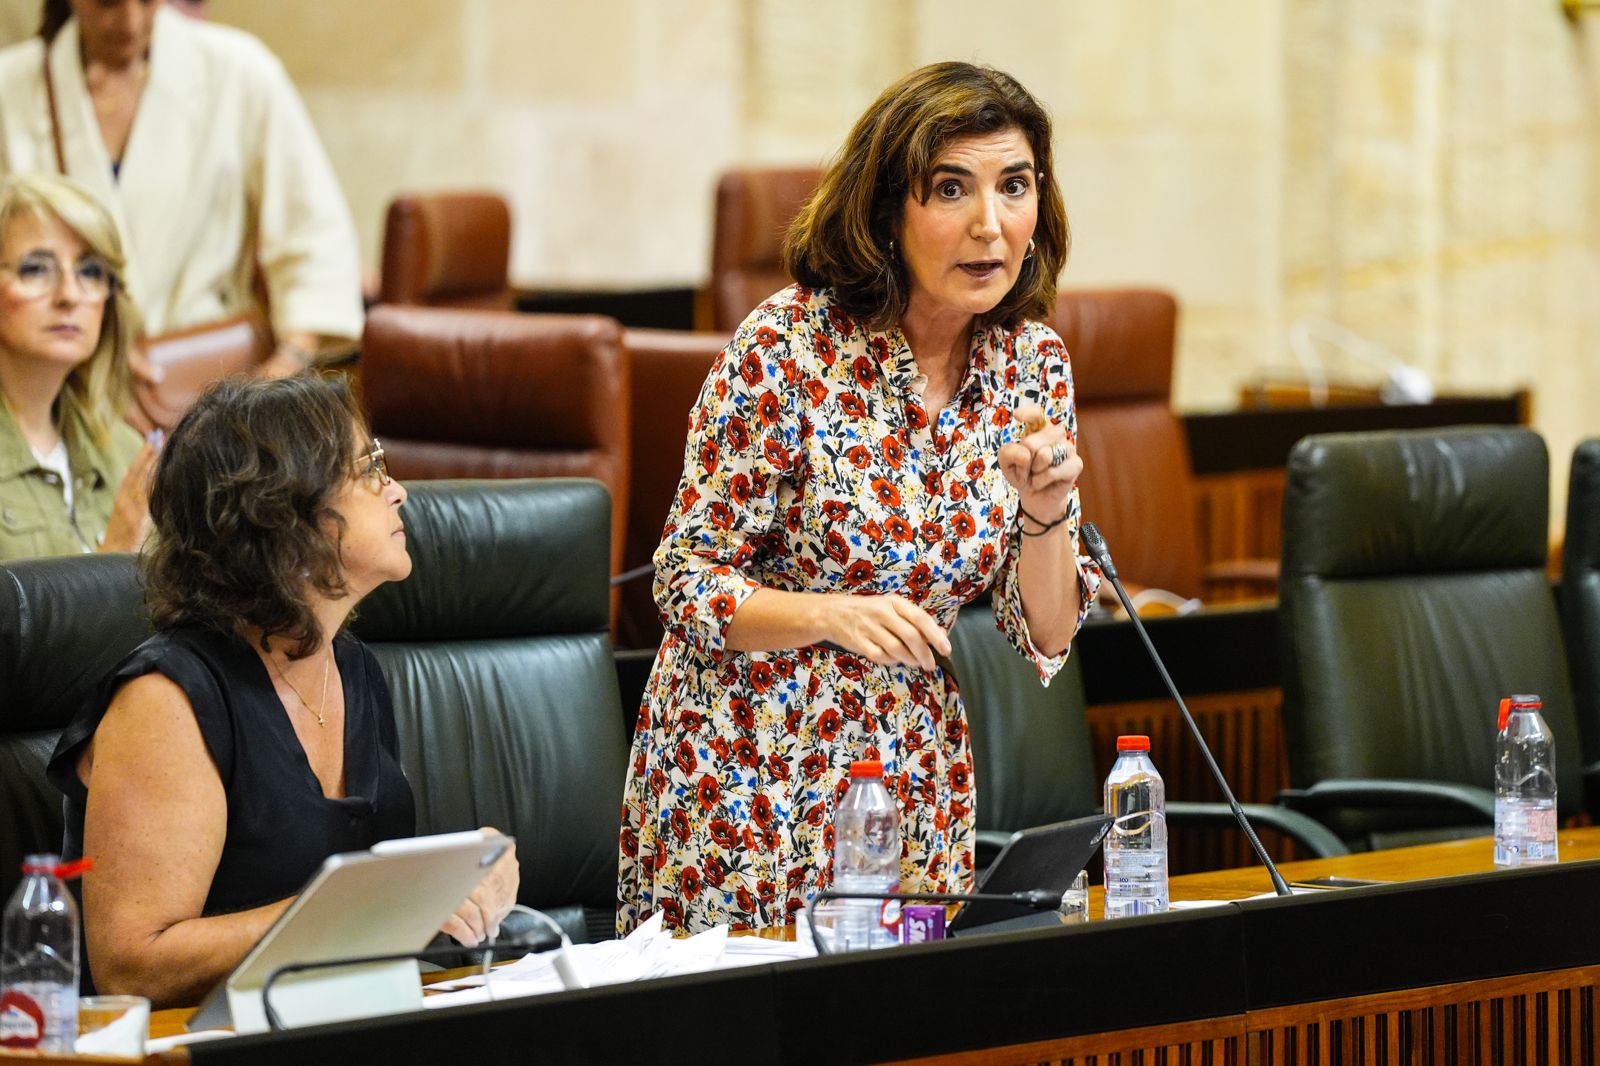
{"x": 649, "y": 951}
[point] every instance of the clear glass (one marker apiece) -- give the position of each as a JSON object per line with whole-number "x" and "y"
{"x": 1075, "y": 900}
{"x": 113, "y": 1026}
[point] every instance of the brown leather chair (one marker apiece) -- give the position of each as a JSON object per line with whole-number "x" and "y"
{"x": 668, "y": 367}
{"x": 497, "y": 394}
{"x": 1138, "y": 486}
{"x": 447, "y": 250}
{"x": 754, "y": 209}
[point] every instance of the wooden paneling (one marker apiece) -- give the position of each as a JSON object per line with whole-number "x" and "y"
{"x": 1528, "y": 1019}
{"x": 1240, "y": 514}
{"x": 1245, "y": 731}
{"x": 1213, "y": 1042}
{"x": 1545, "y": 1019}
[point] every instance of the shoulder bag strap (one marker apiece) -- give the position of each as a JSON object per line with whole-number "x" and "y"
{"x": 55, "y": 124}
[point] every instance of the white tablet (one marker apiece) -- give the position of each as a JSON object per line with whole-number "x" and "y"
{"x": 389, "y": 900}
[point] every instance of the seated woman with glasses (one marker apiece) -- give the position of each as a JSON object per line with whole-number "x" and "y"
{"x": 73, "y": 475}
{"x": 250, "y": 737}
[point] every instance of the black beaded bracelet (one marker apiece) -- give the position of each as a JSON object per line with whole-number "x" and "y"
{"x": 1044, "y": 527}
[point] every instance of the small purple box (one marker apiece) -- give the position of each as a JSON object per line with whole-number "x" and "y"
{"x": 920, "y": 922}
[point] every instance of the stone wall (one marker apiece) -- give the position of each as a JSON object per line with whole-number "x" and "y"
{"x": 1423, "y": 172}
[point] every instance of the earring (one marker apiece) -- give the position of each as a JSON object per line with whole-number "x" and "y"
{"x": 1030, "y": 251}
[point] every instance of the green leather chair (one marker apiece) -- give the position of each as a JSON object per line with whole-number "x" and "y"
{"x": 498, "y": 656}
{"x": 1580, "y": 606}
{"x": 1413, "y": 598}
{"x": 64, "y": 623}
{"x": 1033, "y": 762}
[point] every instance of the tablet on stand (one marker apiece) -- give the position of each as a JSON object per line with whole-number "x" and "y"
{"x": 389, "y": 900}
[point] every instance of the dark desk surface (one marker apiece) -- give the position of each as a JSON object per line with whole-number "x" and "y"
{"x": 1449, "y": 917}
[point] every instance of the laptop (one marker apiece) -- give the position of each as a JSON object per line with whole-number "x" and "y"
{"x": 388, "y": 900}
{"x": 1045, "y": 857}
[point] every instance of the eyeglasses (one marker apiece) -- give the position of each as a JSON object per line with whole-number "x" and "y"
{"x": 372, "y": 466}
{"x": 40, "y": 274}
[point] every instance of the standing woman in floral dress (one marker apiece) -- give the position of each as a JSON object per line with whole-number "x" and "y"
{"x": 877, "y": 446}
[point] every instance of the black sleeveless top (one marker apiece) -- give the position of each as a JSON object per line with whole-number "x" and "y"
{"x": 280, "y": 826}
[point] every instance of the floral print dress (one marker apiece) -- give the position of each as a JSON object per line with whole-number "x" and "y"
{"x": 812, "y": 466}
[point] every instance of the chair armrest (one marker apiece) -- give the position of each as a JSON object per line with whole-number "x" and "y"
{"x": 1388, "y": 794}
{"x": 1306, "y": 832}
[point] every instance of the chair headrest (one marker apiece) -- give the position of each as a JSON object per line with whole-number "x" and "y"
{"x": 1120, "y": 342}
{"x": 445, "y": 244}
{"x": 494, "y": 378}
{"x": 64, "y": 623}
{"x": 1426, "y": 501}
{"x": 498, "y": 558}
{"x": 754, "y": 209}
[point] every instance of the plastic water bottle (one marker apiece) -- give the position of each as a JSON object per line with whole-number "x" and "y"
{"x": 1524, "y": 785}
{"x": 39, "y": 960}
{"x": 1136, "y": 846}
{"x": 866, "y": 858}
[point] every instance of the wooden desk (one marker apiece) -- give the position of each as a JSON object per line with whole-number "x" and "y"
{"x": 1473, "y": 966}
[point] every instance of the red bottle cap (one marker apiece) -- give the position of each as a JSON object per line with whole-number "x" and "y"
{"x": 1505, "y": 711}
{"x": 866, "y": 768}
{"x": 63, "y": 871}
{"x": 1133, "y": 743}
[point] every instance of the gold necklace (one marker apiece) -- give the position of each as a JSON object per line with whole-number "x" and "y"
{"x": 322, "y": 705}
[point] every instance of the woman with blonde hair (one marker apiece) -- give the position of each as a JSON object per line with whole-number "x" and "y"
{"x": 73, "y": 475}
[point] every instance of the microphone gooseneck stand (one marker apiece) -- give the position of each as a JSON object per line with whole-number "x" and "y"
{"x": 1096, "y": 543}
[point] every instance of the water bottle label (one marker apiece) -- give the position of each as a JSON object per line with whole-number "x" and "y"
{"x": 21, "y": 1020}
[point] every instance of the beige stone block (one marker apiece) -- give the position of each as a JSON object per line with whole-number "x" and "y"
{"x": 1217, "y": 61}
{"x": 1380, "y": 205}
{"x": 1218, "y": 352}
{"x": 810, "y": 70}
{"x": 1096, "y": 60}
{"x": 1472, "y": 183}
{"x": 1543, "y": 58}
{"x": 1188, "y": 211}
{"x": 629, "y": 207}
{"x": 381, "y": 145}
{"x": 415, "y": 45}
{"x": 1043, "y": 57}
{"x": 577, "y": 52}
{"x": 692, "y": 48}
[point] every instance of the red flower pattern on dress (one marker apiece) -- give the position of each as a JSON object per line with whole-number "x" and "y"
{"x": 812, "y": 466}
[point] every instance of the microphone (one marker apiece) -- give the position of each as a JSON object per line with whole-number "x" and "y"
{"x": 1102, "y": 555}
{"x": 1039, "y": 899}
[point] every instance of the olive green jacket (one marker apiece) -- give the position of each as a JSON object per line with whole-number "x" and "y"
{"x": 33, "y": 513}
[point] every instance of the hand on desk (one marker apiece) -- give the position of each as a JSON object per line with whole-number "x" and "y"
{"x": 481, "y": 913}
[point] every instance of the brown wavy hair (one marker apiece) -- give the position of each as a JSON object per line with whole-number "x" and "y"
{"x": 843, "y": 238}
{"x": 241, "y": 505}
